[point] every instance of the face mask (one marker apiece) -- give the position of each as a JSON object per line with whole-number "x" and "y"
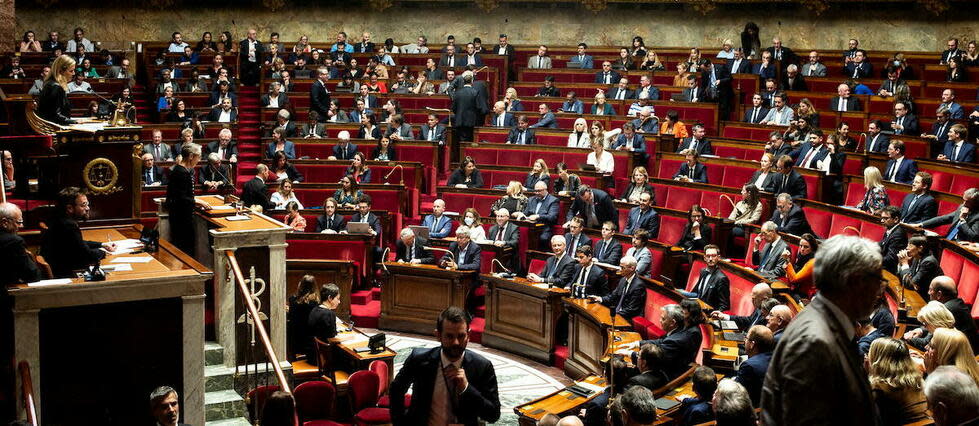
{"x": 469, "y": 221}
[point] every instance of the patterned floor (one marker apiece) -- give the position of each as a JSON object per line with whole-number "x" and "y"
{"x": 518, "y": 382}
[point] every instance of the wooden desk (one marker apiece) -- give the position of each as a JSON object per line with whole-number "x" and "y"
{"x": 349, "y": 341}
{"x": 560, "y": 403}
{"x": 521, "y": 316}
{"x": 153, "y": 314}
{"x": 415, "y": 295}
{"x": 913, "y": 302}
{"x": 588, "y": 336}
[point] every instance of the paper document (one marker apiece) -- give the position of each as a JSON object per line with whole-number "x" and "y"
{"x": 541, "y": 285}
{"x": 591, "y": 387}
{"x": 140, "y": 259}
{"x": 55, "y": 281}
{"x": 237, "y": 218}
{"x": 222, "y": 207}
{"x": 118, "y": 267}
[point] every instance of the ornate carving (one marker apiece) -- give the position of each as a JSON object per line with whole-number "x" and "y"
{"x": 100, "y": 176}
{"x": 595, "y": 5}
{"x": 937, "y": 7}
{"x": 488, "y": 5}
{"x": 702, "y": 6}
{"x": 273, "y": 5}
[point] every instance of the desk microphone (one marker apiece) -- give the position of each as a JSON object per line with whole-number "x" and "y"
{"x": 508, "y": 273}
{"x": 384, "y": 258}
{"x": 448, "y": 252}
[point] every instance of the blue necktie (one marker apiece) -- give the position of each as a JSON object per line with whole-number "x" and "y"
{"x": 953, "y": 232}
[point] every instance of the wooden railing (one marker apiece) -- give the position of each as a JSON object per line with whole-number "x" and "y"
{"x": 27, "y": 392}
{"x": 260, "y": 331}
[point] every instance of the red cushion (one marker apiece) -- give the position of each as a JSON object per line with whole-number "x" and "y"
{"x": 373, "y": 416}
{"x": 314, "y": 400}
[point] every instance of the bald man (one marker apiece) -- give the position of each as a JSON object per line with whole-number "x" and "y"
{"x": 778, "y": 318}
{"x": 500, "y": 117}
{"x": 759, "y": 293}
{"x": 439, "y": 226}
{"x": 943, "y": 289}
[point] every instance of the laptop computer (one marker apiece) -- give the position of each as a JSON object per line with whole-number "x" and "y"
{"x": 358, "y": 228}
{"x": 420, "y": 231}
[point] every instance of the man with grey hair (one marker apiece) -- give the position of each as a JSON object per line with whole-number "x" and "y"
{"x": 165, "y": 406}
{"x": 224, "y": 146}
{"x": 816, "y": 355}
{"x": 789, "y": 217}
{"x": 152, "y": 174}
{"x": 274, "y": 98}
{"x": 732, "y": 404}
{"x": 411, "y": 249}
{"x": 629, "y": 297}
{"x": 769, "y": 261}
{"x": 637, "y": 406}
{"x": 964, "y": 220}
{"x": 503, "y": 234}
{"x": 343, "y": 150}
{"x": 284, "y": 121}
{"x": 778, "y": 319}
{"x": 953, "y": 397}
{"x": 214, "y": 174}
{"x": 18, "y": 265}
{"x": 680, "y": 343}
{"x": 465, "y": 253}
{"x": 559, "y": 268}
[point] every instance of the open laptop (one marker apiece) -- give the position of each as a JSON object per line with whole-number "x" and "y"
{"x": 420, "y": 231}
{"x": 358, "y": 228}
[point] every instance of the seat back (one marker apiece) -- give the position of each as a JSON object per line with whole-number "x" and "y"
{"x": 536, "y": 266}
{"x": 383, "y": 375}
{"x": 314, "y": 400}
{"x": 324, "y": 359}
{"x": 257, "y": 397}
{"x": 363, "y": 387}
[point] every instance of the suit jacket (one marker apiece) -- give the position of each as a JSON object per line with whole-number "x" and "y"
{"x": 794, "y": 223}
{"x": 509, "y": 120}
{"x": 595, "y": 282}
{"x": 878, "y": 143}
{"x": 966, "y": 154}
{"x": 748, "y": 112}
{"x": 820, "y": 154}
{"x": 289, "y": 149}
{"x": 282, "y": 99}
{"x": 420, "y": 253}
{"x": 364, "y": 47}
{"x": 372, "y": 220}
{"x": 613, "y": 77}
{"x": 466, "y": 107}
{"x": 696, "y": 94}
{"x": 703, "y": 146}
{"x": 787, "y": 55}
{"x": 745, "y": 322}
{"x": 472, "y": 258}
{"x": 818, "y": 70}
{"x": 910, "y": 125}
{"x": 613, "y": 93}
{"x": 572, "y": 242}
{"x": 440, "y": 231}
{"x": 893, "y": 242}
{"x": 319, "y": 100}
{"x": 751, "y": 375}
{"x": 439, "y": 133}
{"x": 548, "y": 120}
{"x": 716, "y": 291}
{"x": 459, "y": 177}
{"x": 815, "y": 357}
{"x": 680, "y": 348}
{"x": 634, "y": 302}
{"x": 64, "y": 249}
{"x": 514, "y": 137}
{"x": 906, "y": 172}
{"x": 604, "y": 208}
{"x": 344, "y": 154}
{"x": 610, "y": 253}
{"x": 924, "y": 208}
{"x": 511, "y": 235}
{"x": 444, "y": 61}
{"x": 797, "y": 84}
{"x": 968, "y": 231}
{"x": 861, "y": 70}
{"x": 744, "y": 67}
{"x": 558, "y": 273}
{"x": 920, "y": 273}
{"x": 155, "y": 177}
{"x": 510, "y": 53}
{"x": 774, "y": 265}
{"x": 651, "y": 91}
{"x": 585, "y": 62}
{"x": 699, "y": 172}
{"x": 480, "y": 401}
{"x": 769, "y": 184}
{"x": 17, "y": 264}
{"x": 963, "y": 320}
{"x": 255, "y": 192}
{"x": 793, "y": 184}
{"x": 319, "y": 129}
{"x": 539, "y": 62}
{"x": 216, "y": 114}
{"x": 687, "y": 241}
{"x": 165, "y": 152}
{"x": 648, "y": 220}
{"x": 231, "y": 150}
{"x": 339, "y": 223}
{"x": 852, "y": 104}
{"x": 651, "y": 379}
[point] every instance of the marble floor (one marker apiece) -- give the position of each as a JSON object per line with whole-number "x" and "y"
{"x": 519, "y": 379}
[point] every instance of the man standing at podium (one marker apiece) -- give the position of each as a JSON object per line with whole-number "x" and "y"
{"x": 450, "y": 385}
{"x": 62, "y": 245}
{"x": 411, "y": 249}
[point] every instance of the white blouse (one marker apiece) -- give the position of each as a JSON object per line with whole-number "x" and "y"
{"x": 280, "y": 203}
{"x": 604, "y": 165}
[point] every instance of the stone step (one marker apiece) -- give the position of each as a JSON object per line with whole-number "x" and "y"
{"x": 213, "y": 353}
{"x": 223, "y": 404}
{"x": 238, "y": 421}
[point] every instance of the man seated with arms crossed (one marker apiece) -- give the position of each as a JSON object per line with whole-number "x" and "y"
{"x": 712, "y": 286}
{"x": 411, "y": 249}
{"x": 465, "y": 253}
{"x": 628, "y": 300}
{"x": 760, "y": 293}
{"x": 61, "y": 243}
{"x": 439, "y": 226}
{"x": 769, "y": 262}
{"x": 559, "y": 269}
{"x": 681, "y": 341}
{"x": 607, "y": 249}
{"x": 542, "y": 208}
{"x": 758, "y": 345}
{"x": 588, "y": 279}
{"x": 964, "y": 220}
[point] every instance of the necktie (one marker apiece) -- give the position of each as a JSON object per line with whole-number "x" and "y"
{"x": 620, "y": 95}
{"x": 581, "y": 59}
{"x": 764, "y": 255}
{"x": 550, "y": 272}
{"x": 574, "y": 241}
{"x": 913, "y": 200}
{"x": 461, "y": 258}
{"x": 701, "y": 283}
{"x": 499, "y": 235}
{"x": 499, "y": 120}
{"x": 754, "y": 115}
{"x": 955, "y": 153}
{"x": 435, "y": 224}
{"x": 149, "y": 176}
{"x": 606, "y": 78}
{"x": 892, "y": 173}
{"x": 856, "y": 71}
{"x": 785, "y": 183}
{"x": 156, "y": 152}
{"x": 605, "y": 248}
{"x": 364, "y": 219}
{"x": 809, "y": 155}
{"x": 625, "y": 291}
{"x": 810, "y": 70}
{"x": 431, "y": 135}
{"x": 522, "y": 135}
{"x": 411, "y": 252}
{"x": 690, "y": 170}
{"x": 329, "y": 223}
{"x": 953, "y": 232}
{"x": 693, "y": 95}
{"x": 579, "y": 289}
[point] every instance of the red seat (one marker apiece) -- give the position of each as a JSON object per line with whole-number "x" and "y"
{"x": 257, "y": 397}
{"x": 314, "y": 400}
{"x": 363, "y": 386}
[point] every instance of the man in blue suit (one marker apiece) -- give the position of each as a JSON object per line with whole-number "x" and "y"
{"x": 629, "y": 297}
{"x": 500, "y": 117}
{"x": 919, "y": 205}
{"x": 559, "y": 269}
{"x": 575, "y": 238}
{"x": 698, "y": 410}
{"x": 758, "y": 344}
{"x": 541, "y": 208}
{"x": 697, "y": 141}
{"x": 607, "y": 249}
{"x": 521, "y": 134}
{"x": 465, "y": 253}
{"x": 581, "y": 60}
{"x": 680, "y": 344}
{"x": 607, "y": 76}
{"x": 343, "y": 150}
{"x": 643, "y": 216}
{"x": 438, "y": 225}
{"x": 547, "y": 119}
{"x": 588, "y": 279}
{"x": 631, "y": 141}
{"x": 957, "y": 149}
{"x": 757, "y": 112}
{"x": 812, "y": 152}
{"x": 899, "y": 169}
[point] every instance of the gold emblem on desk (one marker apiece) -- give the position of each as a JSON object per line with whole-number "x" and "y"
{"x": 100, "y": 176}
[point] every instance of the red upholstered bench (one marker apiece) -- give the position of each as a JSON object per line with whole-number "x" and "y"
{"x": 301, "y": 248}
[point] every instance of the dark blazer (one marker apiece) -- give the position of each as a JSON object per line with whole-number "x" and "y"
{"x": 966, "y": 232}
{"x": 924, "y": 208}
{"x": 372, "y": 220}
{"x": 472, "y": 256}
{"x": 157, "y": 176}
{"x": 595, "y": 282}
{"x": 319, "y": 100}
{"x": 699, "y": 172}
{"x": 751, "y": 374}
{"x": 635, "y": 298}
{"x": 458, "y": 176}
{"x": 967, "y": 153}
{"x": 215, "y": 114}
{"x": 906, "y": 172}
{"x": 816, "y": 343}
{"x": 480, "y": 401}
{"x": 745, "y": 322}
{"x": 688, "y": 95}
{"x": 466, "y": 107}
{"x": 743, "y": 68}
{"x": 769, "y": 184}
{"x": 794, "y": 223}
{"x": 610, "y": 253}
{"x": 321, "y": 324}
{"x": 703, "y": 146}
{"x": 439, "y": 133}
{"x": 852, "y": 104}
{"x": 17, "y": 264}
{"x": 894, "y": 241}
{"x": 861, "y": 70}
{"x": 558, "y": 273}
{"x": 362, "y": 133}
{"x": 547, "y": 213}
{"x": 638, "y": 219}
{"x": 573, "y": 242}
{"x": 821, "y": 153}
{"x": 920, "y": 273}
{"x": 266, "y": 99}
{"x": 421, "y": 254}
{"x": 762, "y": 112}
{"x": 392, "y": 153}
{"x": 514, "y": 137}
{"x": 435, "y": 74}
{"x": 344, "y": 154}
{"x": 613, "y": 77}
{"x": 651, "y": 379}
{"x": 774, "y": 265}
{"x": 646, "y": 188}
{"x": 687, "y": 242}
{"x": 798, "y": 83}
{"x": 910, "y": 125}
{"x": 64, "y": 249}
{"x": 878, "y": 143}
{"x": 339, "y": 223}
{"x": 614, "y": 92}
{"x": 444, "y": 61}
{"x": 511, "y": 235}
{"x": 509, "y": 120}
{"x": 604, "y": 208}
{"x": 963, "y": 320}
{"x": 794, "y": 185}
{"x": 533, "y": 178}
{"x": 695, "y": 411}
{"x": 216, "y": 97}
{"x": 255, "y": 192}
{"x": 53, "y": 104}
{"x": 716, "y": 292}
{"x": 680, "y": 348}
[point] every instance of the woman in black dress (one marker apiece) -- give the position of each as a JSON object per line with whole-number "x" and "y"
{"x": 300, "y": 305}
{"x": 180, "y": 198}
{"x": 52, "y": 104}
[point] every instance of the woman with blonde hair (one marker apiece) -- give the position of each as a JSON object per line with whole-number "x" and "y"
{"x": 601, "y": 159}
{"x": 52, "y": 104}
{"x": 932, "y": 316}
{"x": 284, "y": 195}
{"x": 652, "y": 63}
{"x": 513, "y": 201}
{"x": 680, "y": 79}
{"x": 512, "y": 101}
{"x": 950, "y": 347}
{"x": 538, "y": 174}
{"x": 637, "y": 186}
{"x": 808, "y": 111}
{"x": 580, "y": 137}
{"x": 727, "y": 50}
{"x": 896, "y": 382}
{"x": 601, "y": 107}
{"x": 875, "y": 197}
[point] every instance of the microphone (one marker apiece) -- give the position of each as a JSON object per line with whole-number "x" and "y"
{"x": 384, "y": 258}
{"x": 447, "y": 252}
{"x": 726, "y": 197}
{"x": 508, "y": 274}
{"x": 396, "y": 167}
{"x": 863, "y": 138}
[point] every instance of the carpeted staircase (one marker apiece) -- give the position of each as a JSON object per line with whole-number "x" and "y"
{"x": 249, "y": 134}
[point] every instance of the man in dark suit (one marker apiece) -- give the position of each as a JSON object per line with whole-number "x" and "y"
{"x": 501, "y": 118}
{"x": 792, "y": 80}
{"x": 697, "y": 141}
{"x": 152, "y": 174}
{"x": 643, "y": 216}
{"x": 411, "y": 249}
{"x": 250, "y": 54}
{"x": 450, "y": 385}
{"x": 465, "y": 253}
{"x": 559, "y": 268}
{"x": 365, "y": 45}
{"x": 957, "y": 149}
{"x": 739, "y": 65}
{"x": 607, "y": 249}
{"x": 769, "y": 261}
{"x": 789, "y": 217}
{"x": 943, "y": 289}
{"x": 588, "y": 279}
{"x": 594, "y": 206}
{"x": 859, "y": 67}
{"x": 680, "y": 344}
{"x": 226, "y": 113}
{"x": 255, "y": 192}
{"x": 781, "y": 53}
{"x": 629, "y": 297}
{"x": 758, "y": 345}
{"x": 698, "y": 409}
{"x": 952, "y": 51}
{"x": 691, "y": 170}
{"x": 281, "y": 99}
{"x": 788, "y": 180}
{"x": 712, "y": 286}
{"x": 917, "y": 267}
{"x": 19, "y": 265}
{"x": 522, "y": 134}
{"x": 760, "y": 293}
{"x": 449, "y": 59}
{"x": 365, "y": 215}
{"x": 432, "y": 131}
{"x": 542, "y": 207}
{"x": 843, "y": 101}
{"x": 467, "y": 109}
{"x": 651, "y": 374}
{"x": 607, "y": 76}
{"x": 319, "y": 95}
{"x": 877, "y": 141}
{"x": 904, "y": 123}
{"x": 818, "y": 356}
{"x": 61, "y": 243}
{"x": 919, "y": 205}
{"x": 575, "y": 238}
{"x": 471, "y": 57}
{"x": 621, "y": 91}
{"x": 779, "y": 317}
{"x": 899, "y": 169}
{"x": 504, "y": 48}
{"x": 344, "y": 149}
{"x": 693, "y": 92}
{"x": 756, "y": 112}
{"x": 895, "y": 237}
{"x": 330, "y": 222}
{"x": 964, "y": 220}
{"x": 165, "y": 406}
{"x": 812, "y": 152}
{"x": 503, "y": 233}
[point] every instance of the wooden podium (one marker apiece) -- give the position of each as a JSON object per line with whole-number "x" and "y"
{"x": 589, "y": 336}
{"x": 415, "y": 295}
{"x": 521, "y": 316}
